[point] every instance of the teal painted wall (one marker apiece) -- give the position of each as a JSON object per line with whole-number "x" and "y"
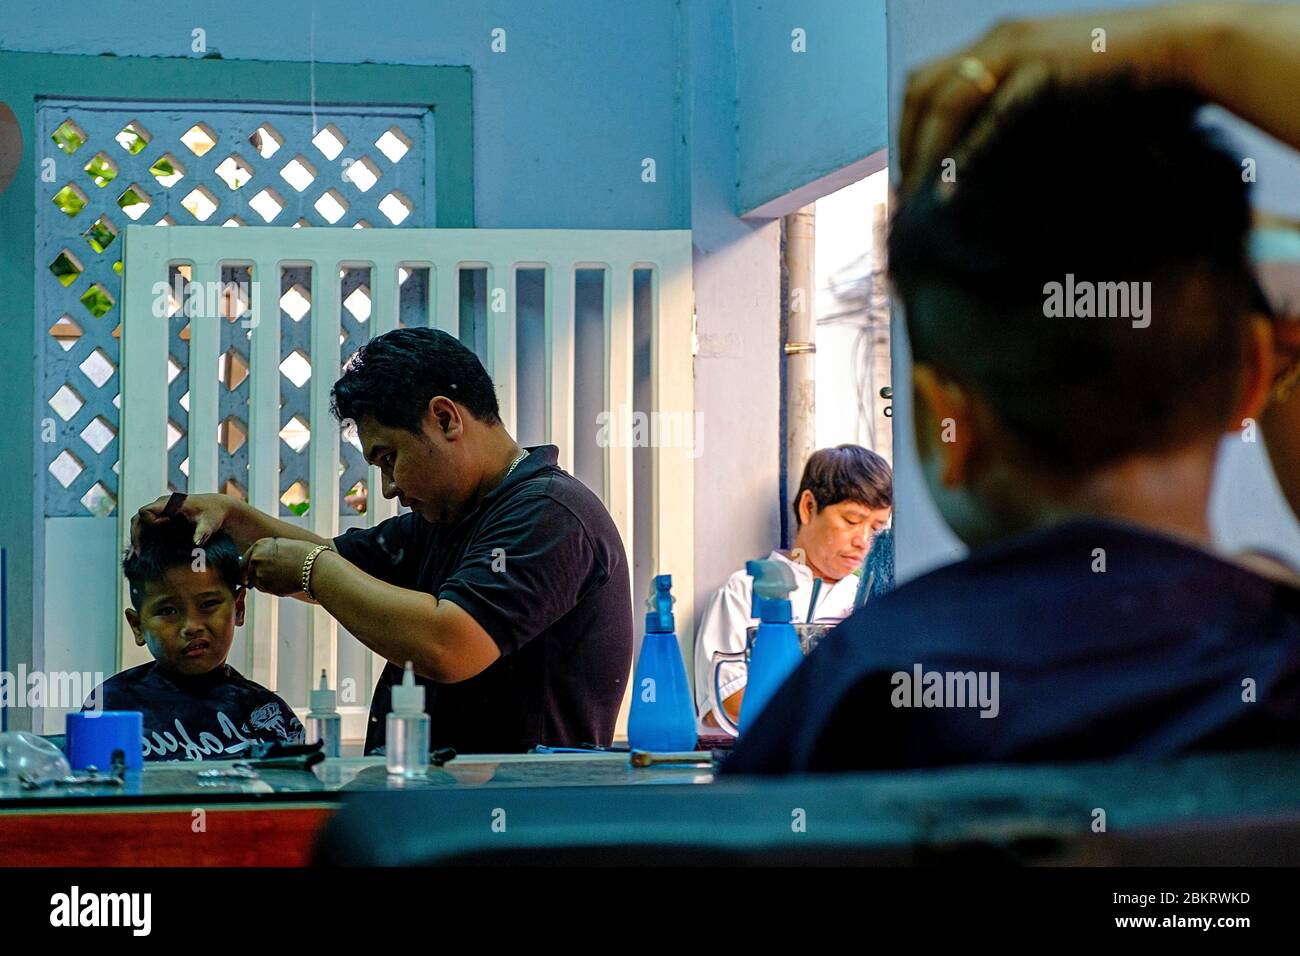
{"x": 584, "y": 91}
{"x": 801, "y": 116}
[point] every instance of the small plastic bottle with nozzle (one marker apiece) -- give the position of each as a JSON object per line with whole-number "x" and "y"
{"x": 323, "y": 720}
{"x": 407, "y": 740}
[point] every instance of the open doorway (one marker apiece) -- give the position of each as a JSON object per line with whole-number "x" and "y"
{"x": 852, "y": 310}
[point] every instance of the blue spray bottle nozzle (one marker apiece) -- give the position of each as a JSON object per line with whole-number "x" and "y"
{"x": 659, "y": 617}
{"x": 773, "y": 583}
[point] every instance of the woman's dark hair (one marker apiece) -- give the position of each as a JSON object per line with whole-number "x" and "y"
{"x": 393, "y": 377}
{"x": 846, "y": 473}
{"x": 170, "y": 544}
{"x": 1112, "y": 185}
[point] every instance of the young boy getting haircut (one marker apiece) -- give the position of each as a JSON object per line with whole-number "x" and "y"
{"x": 186, "y": 603}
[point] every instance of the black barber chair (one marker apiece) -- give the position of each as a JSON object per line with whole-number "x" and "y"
{"x": 1237, "y": 809}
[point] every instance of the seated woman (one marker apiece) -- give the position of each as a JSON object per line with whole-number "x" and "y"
{"x": 844, "y": 498}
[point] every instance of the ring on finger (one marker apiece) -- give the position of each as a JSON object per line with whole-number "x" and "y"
{"x": 973, "y": 68}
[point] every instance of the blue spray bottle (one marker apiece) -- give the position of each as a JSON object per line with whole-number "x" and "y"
{"x": 663, "y": 715}
{"x": 776, "y": 651}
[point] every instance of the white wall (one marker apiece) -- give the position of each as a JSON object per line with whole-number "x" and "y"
{"x": 737, "y": 302}
{"x": 1247, "y": 509}
{"x": 80, "y": 608}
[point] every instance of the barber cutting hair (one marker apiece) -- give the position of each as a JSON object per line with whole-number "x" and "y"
{"x": 505, "y": 584}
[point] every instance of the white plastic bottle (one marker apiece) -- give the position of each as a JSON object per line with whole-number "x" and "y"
{"x": 407, "y": 741}
{"x": 323, "y": 720}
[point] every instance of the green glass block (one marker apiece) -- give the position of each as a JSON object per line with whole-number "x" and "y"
{"x": 100, "y": 235}
{"x": 101, "y": 170}
{"x": 65, "y": 269}
{"x": 68, "y": 137}
{"x": 96, "y": 301}
{"x": 69, "y": 201}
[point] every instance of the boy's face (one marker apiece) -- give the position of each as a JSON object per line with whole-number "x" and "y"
{"x": 187, "y": 619}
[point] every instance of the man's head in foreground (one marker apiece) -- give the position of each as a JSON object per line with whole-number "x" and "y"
{"x": 843, "y": 499}
{"x": 186, "y": 601}
{"x": 425, "y": 411}
{"x": 1080, "y": 309}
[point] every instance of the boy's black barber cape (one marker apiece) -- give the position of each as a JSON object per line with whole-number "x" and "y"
{"x": 212, "y": 716}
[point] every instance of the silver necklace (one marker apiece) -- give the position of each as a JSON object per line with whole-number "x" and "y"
{"x": 522, "y": 456}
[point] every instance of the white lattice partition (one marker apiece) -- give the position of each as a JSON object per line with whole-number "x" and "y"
{"x": 151, "y": 255}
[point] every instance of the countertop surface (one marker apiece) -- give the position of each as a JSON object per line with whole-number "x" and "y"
{"x": 332, "y": 779}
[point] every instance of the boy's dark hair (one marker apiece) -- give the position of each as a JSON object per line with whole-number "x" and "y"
{"x": 846, "y": 473}
{"x": 393, "y": 377}
{"x": 170, "y": 544}
{"x": 1110, "y": 183}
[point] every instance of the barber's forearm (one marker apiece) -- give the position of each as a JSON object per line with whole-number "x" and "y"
{"x": 246, "y": 525}
{"x": 394, "y": 622}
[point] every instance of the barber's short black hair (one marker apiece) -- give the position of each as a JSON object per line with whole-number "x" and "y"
{"x": 846, "y": 473}
{"x": 393, "y": 377}
{"x": 170, "y": 544}
{"x": 1109, "y": 182}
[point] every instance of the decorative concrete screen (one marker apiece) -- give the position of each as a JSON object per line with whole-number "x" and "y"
{"x": 272, "y": 314}
{"x": 169, "y": 164}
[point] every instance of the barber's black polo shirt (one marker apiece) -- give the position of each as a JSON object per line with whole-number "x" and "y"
{"x": 539, "y": 564}
{"x": 1167, "y": 651}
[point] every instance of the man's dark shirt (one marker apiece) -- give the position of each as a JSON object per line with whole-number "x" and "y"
{"x": 1168, "y": 650}
{"x": 210, "y": 716}
{"x": 539, "y": 564}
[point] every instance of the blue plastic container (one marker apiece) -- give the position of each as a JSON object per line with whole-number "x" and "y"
{"x": 662, "y": 717}
{"x": 93, "y": 736}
